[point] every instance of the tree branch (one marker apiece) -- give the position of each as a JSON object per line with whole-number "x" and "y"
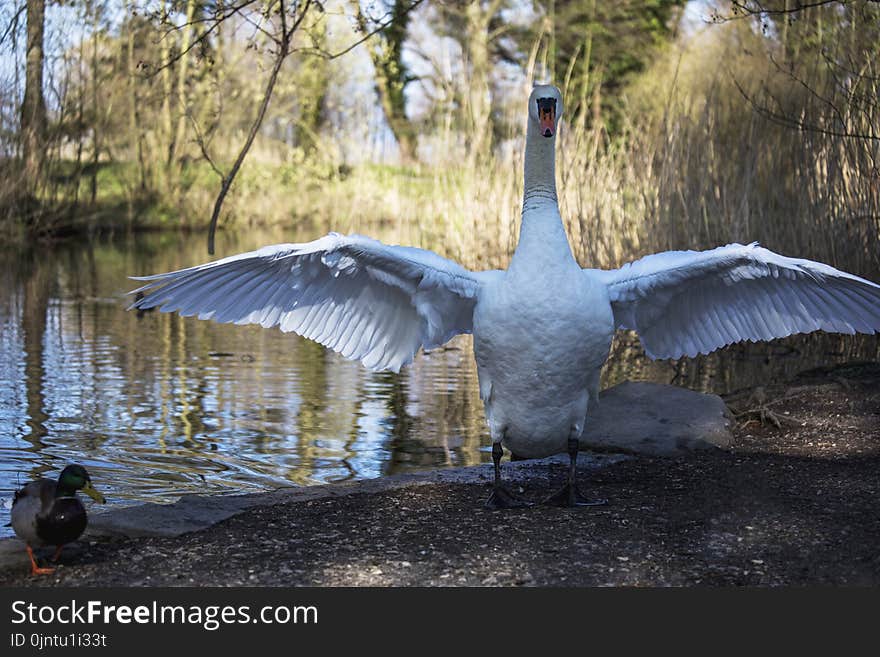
{"x": 13, "y": 23}
{"x": 750, "y": 9}
{"x": 198, "y": 38}
{"x": 792, "y": 122}
{"x": 203, "y": 146}
{"x": 348, "y": 49}
{"x": 283, "y": 52}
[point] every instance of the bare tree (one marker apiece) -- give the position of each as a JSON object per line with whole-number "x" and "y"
{"x": 33, "y": 107}
{"x": 391, "y": 73}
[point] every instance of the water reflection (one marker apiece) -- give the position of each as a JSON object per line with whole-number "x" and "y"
{"x": 156, "y": 406}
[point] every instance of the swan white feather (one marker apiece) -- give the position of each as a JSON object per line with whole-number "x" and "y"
{"x": 684, "y": 303}
{"x": 366, "y": 300}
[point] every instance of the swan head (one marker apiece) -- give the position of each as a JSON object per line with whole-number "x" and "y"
{"x": 545, "y": 108}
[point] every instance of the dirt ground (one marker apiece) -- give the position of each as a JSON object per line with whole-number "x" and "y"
{"x": 794, "y": 504}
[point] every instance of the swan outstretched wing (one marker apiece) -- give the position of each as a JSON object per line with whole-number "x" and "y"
{"x": 366, "y": 300}
{"x": 690, "y": 302}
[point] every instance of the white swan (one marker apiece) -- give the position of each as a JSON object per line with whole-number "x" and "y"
{"x": 542, "y": 329}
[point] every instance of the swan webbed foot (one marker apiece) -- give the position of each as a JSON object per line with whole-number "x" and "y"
{"x": 570, "y": 496}
{"x": 501, "y": 498}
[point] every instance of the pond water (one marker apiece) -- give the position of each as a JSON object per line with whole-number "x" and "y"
{"x": 156, "y": 406}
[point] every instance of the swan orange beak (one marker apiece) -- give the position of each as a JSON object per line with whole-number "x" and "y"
{"x": 548, "y": 123}
{"x": 547, "y": 116}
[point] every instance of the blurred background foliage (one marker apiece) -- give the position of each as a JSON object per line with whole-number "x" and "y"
{"x": 687, "y": 123}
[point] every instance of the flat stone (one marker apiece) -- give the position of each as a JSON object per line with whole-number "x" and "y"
{"x": 656, "y": 420}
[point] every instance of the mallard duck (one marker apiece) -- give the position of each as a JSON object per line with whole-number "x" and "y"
{"x": 47, "y": 512}
{"x": 542, "y": 329}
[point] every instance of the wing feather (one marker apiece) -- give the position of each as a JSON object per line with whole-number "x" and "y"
{"x": 690, "y": 302}
{"x": 369, "y": 301}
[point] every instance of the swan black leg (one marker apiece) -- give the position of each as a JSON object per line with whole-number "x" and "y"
{"x": 569, "y": 495}
{"x": 501, "y": 498}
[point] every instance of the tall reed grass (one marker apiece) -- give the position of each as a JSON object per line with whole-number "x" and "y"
{"x": 697, "y": 167}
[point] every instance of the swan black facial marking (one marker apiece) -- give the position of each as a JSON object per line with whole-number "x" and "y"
{"x": 547, "y": 115}
{"x": 546, "y": 105}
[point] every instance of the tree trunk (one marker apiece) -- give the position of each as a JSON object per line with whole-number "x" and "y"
{"x": 477, "y": 98}
{"x": 183, "y": 64}
{"x": 96, "y": 144}
{"x": 312, "y": 80}
{"x": 33, "y": 109}
{"x": 166, "y": 131}
{"x": 394, "y": 107}
{"x": 386, "y": 53}
{"x": 136, "y": 134}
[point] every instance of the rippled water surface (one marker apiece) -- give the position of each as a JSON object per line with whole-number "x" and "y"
{"x": 156, "y": 406}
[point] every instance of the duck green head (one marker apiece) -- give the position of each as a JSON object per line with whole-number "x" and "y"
{"x": 74, "y": 478}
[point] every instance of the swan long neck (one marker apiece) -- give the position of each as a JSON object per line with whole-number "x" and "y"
{"x": 540, "y": 169}
{"x": 543, "y": 243}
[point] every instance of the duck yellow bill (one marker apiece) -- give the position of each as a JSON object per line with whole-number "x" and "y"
{"x": 89, "y": 490}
